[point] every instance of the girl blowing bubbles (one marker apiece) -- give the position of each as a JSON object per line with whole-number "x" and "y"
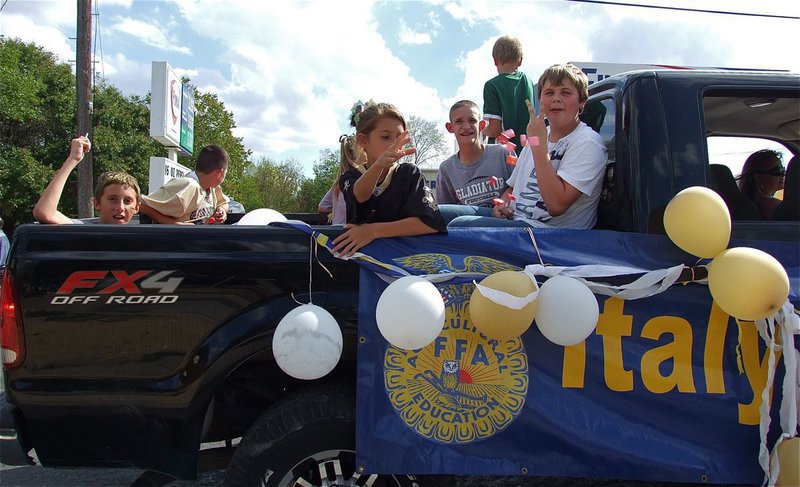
{"x": 384, "y": 198}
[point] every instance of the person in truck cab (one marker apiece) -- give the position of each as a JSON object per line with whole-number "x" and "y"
{"x": 190, "y": 200}
{"x": 559, "y": 175}
{"x": 762, "y": 175}
{"x": 116, "y": 196}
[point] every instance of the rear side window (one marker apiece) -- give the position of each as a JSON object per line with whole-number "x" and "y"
{"x": 733, "y": 151}
{"x": 740, "y": 123}
{"x": 600, "y": 114}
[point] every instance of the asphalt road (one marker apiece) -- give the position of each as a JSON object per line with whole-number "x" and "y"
{"x": 37, "y": 476}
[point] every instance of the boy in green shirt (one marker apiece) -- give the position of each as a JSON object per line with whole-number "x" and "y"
{"x": 504, "y": 95}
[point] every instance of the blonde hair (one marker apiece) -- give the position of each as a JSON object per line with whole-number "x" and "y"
{"x": 116, "y": 177}
{"x": 349, "y": 155}
{"x": 557, "y": 73}
{"x": 507, "y": 49}
{"x": 368, "y": 117}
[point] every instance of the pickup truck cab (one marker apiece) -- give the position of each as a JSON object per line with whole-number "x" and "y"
{"x": 135, "y": 345}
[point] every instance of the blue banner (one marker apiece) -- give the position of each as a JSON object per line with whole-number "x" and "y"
{"x": 666, "y": 389}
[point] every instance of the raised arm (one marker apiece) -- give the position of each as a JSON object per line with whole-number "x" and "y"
{"x": 365, "y": 185}
{"x": 558, "y": 195}
{"x": 46, "y": 209}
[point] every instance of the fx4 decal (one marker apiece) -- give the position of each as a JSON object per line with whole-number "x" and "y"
{"x": 130, "y": 288}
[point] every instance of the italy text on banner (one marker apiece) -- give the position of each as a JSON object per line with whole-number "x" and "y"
{"x": 667, "y": 388}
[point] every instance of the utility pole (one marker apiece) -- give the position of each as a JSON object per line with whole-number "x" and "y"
{"x": 83, "y": 76}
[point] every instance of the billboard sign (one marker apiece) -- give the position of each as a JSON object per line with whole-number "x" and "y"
{"x": 187, "y": 119}
{"x": 171, "y": 109}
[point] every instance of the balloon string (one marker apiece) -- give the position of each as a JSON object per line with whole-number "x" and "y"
{"x": 312, "y": 256}
{"x": 310, "y": 265}
{"x": 316, "y": 257}
{"x": 536, "y": 247}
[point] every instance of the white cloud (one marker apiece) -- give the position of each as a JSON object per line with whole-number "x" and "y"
{"x": 297, "y": 68}
{"x": 409, "y": 37}
{"x": 149, "y": 33}
{"x": 129, "y": 75}
{"x": 47, "y": 24}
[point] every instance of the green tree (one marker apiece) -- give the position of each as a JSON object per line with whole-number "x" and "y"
{"x": 121, "y": 140}
{"x": 268, "y": 184}
{"x": 428, "y": 140}
{"x": 37, "y": 120}
{"x": 312, "y": 190}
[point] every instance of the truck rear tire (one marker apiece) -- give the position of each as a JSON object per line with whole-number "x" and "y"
{"x": 307, "y": 440}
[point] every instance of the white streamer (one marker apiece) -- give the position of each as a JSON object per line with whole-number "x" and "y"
{"x": 788, "y": 326}
{"x": 650, "y": 283}
{"x": 505, "y": 299}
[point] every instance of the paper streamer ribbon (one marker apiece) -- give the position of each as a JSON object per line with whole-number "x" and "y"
{"x": 788, "y": 325}
{"x": 650, "y": 283}
{"x": 505, "y": 299}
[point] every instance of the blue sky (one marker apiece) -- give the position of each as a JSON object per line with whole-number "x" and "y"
{"x": 290, "y": 71}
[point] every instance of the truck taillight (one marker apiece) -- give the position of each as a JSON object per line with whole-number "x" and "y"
{"x": 11, "y": 337}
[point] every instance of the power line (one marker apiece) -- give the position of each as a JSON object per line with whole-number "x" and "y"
{"x": 747, "y": 14}
{"x": 98, "y": 41}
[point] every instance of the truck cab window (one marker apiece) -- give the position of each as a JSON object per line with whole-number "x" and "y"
{"x": 739, "y": 123}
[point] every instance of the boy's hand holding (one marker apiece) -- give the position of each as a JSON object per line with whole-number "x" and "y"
{"x": 219, "y": 217}
{"x": 395, "y": 152}
{"x": 77, "y": 148}
{"x": 536, "y": 130}
{"x": 502, "y": 209}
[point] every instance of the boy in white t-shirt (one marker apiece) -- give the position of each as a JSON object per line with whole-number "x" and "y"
{"x": 557, "y": 182}
{"x": 116, "y": 196}
{"x": 189, "y": 200}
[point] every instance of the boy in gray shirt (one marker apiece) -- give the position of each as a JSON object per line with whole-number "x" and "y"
{"x": 477, "y": 173}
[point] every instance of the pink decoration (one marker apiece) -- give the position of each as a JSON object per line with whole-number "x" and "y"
{"x": 511, "y": 159}
{"x": 505, "y": 136}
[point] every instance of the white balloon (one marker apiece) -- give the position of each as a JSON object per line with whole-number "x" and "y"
{"x": 307, "y": 343}
{"x": 410, "y": 313}
{"x": 568, "y": 311}
{"x": 261, "y": 216}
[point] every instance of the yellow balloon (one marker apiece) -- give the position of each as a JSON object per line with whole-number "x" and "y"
{"x": 498, "y": 321}
{"x": 747, "y": 283}
{"x": 698, "y": 221}
{"x": 789, "y": 458}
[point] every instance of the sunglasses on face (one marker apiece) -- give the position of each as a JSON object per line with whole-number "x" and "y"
{"x": 775, "y": 171}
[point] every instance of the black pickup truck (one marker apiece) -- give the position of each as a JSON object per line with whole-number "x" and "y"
{"x": 132, "y": 346}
